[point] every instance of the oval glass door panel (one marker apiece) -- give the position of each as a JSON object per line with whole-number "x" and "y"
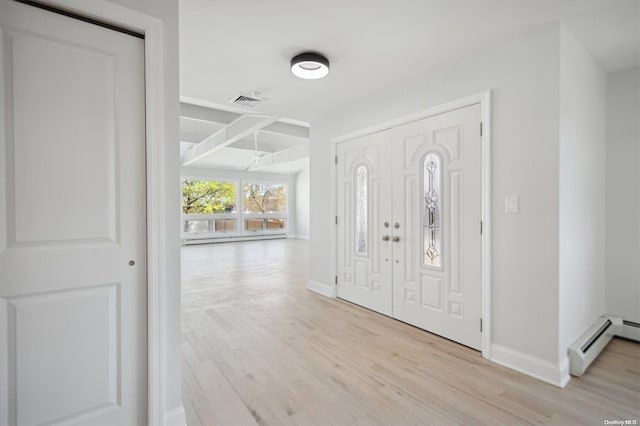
{"x": 432, "y": 222}
{"x": 362, "y": 211}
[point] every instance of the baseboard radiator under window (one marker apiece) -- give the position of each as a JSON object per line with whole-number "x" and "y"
{"x": 189, "y": 241}
{"x": 595, "y": 339}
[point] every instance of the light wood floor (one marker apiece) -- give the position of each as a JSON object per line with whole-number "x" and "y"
{"x": 261, "y": 349}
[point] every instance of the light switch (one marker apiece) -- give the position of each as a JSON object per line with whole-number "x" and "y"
{"x": 511, "y": 204}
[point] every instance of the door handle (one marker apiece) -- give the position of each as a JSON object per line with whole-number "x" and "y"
{"x": 385, "y": 238}
{"x": 396, "y": 239}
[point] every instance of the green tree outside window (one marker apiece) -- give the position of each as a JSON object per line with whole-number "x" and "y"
{"x": 208, "y": 197}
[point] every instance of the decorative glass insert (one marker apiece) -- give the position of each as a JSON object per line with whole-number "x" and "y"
{"x": 432, "y": 220}
{"x": 362, "y": 210}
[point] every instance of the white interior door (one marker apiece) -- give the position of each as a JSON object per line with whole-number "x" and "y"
{"x": 72, "y": 221}
{"x": 364, "y": 206}
{"x": 437, "y": 202}
{"x": 424, "y": 191}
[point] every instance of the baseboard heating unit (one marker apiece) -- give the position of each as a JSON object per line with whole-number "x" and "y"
{"x": 595, "y": 339}
{"x": 190, "y": 241}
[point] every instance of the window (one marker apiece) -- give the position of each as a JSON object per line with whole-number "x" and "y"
{"x": 208, "y": 197}
{"x": 209, "y": 207}
{"x": 264, "y": 198}
{"x": 264, "y": 207}
{"x": 196, "y": 226}
{"x": 254, "y": 225}
{"x": 362, "y": 210}
{"x": 431, "y": 224}
{"x": 227, "y": 209}
{"x": 225, "y": 225}
{"x": 275, "y": 224}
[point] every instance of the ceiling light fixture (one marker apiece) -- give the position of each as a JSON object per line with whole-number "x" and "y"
{"x": 310, "y": 66}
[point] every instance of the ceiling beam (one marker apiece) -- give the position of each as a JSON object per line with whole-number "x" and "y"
{"x": 239, "y": 128}
{"x": 198, "y": 112}
{"x": 296, "y": 152}
{"x": 287, "y": 129}
{"x": 207, "y": 114}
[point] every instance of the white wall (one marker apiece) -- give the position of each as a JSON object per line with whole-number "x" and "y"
{"x": 623, "y": 195}
{"x": 167, "y": 12}
{"x": 302, "y": 203}
{"x": 523, "y": 76}
{"x": 581, "y": 185}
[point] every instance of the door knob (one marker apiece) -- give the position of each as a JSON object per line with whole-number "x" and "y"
{"x": 386, "y": 224}
{"x": 396, "y": 239}
{"x": 396, "y": 225}
{"x": 385, "y": 238}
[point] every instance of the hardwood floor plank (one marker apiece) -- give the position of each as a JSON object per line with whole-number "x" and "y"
{"x": 259, "y": 348}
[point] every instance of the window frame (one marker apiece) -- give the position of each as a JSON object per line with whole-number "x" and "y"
{"x": 239, "y": 216}
{"x": 277, "y": 215}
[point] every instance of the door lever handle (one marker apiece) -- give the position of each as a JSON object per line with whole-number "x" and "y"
{"x": 396, "y": 239}
{"x": 385, "y": 238}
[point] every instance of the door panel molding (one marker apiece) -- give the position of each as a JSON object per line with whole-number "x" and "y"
{"x": 363, "y": 275}
{"x": 484, "y": 99}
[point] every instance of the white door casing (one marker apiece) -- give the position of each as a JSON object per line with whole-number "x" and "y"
{"x": 73, "y": 195}
{"x": 364, "y": 258}
{"x": 445, "y": 299}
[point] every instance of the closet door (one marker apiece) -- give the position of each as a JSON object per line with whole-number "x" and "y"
{"x": 437, "y": 208}
{"x": 73, "y": 282}
{"x": 364, "y": 218}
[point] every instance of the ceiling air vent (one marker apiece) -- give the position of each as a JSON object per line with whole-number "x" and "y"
{"x": 247, "y": 100}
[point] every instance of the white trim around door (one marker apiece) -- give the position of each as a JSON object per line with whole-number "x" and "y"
{"x": 484, "y": 99}
{"x": 152, "y": 29}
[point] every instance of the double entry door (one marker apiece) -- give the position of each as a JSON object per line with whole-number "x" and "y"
{"x": 409, "y": 223}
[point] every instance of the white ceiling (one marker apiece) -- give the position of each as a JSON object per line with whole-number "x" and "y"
{"x": 611, "y": 34}
{"x": 231, "y": 46}
{"x": 194, "y": 131}
{"x": 290, "y": 167}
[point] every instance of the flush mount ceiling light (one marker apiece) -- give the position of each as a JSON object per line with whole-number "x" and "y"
{"x": 309, "y": 65}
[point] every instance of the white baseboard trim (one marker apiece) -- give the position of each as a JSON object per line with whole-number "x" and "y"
{"x": 323, "y": 289}
{"x": 557, "y": 375}
{"x": 175, "y": 417}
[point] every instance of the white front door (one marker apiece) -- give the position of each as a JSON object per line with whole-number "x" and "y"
{"x": 72, "y": 221}
{"x": 364, "y": 206}
{"x": 433, "y": 207}
{"x": 437, "y": 203}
